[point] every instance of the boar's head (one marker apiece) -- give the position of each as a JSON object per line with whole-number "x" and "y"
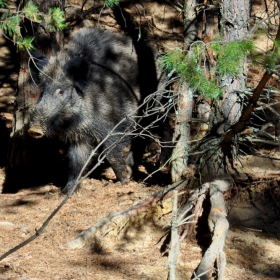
{"x": 62, "y": 101}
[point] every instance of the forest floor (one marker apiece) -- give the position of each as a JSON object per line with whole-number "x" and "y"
{"x": 133, "y": 250}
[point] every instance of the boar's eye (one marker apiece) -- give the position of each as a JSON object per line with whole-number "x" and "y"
{"x": 59, "y": 92}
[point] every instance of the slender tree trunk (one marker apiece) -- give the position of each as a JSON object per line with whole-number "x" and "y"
{"x": 182, "y": 133}
{"x": 30, "y": 161}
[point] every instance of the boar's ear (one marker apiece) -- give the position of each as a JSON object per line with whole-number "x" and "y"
{"x": 38, "y": 61}
{"x": 78, "y": 70}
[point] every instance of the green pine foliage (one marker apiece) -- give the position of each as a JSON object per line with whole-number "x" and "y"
{"x": 187, "y": 67}
{"x": 10, "y": 25}
{"x": 24, "y": 43}
{"x": 229, "y": 60}
{"x": 31, "y": 12}
{"x": 271, "y": 58}
{"x": 3, "y": 3}
{"x": 54, "y": 21}
{"x": 230, "y": 56}
{"x": 111, "y": 3}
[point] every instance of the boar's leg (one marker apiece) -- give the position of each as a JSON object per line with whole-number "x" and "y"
{"x": 78, "y": 154}
{"x": 121, "y": 160}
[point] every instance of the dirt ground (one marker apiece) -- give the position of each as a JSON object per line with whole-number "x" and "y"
{"x": 132, "y": 250}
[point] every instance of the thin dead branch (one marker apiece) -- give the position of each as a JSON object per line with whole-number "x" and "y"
{"x": 174, "y": 243}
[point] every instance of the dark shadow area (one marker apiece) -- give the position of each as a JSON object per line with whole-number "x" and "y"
{"x": 267, "y": 270}
{"x": 22, "y": 202}
{"x": 203, "y": 235}
{"x": 256, "y": 207}
{"x": 4, "y": 143}
{"x": 44, "y": 164}
{"x": 150, "y": 78}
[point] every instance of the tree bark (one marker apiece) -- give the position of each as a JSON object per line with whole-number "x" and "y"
{"x": 218, "y": 226}
{"x": 31, "y": 162}
{"x": 182, "y": 133}
{"x": 235, "y": 16}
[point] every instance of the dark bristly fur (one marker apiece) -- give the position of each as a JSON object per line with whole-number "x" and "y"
{"x": 90, "y": 86}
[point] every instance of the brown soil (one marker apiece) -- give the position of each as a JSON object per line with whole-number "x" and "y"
{"x": 132, "y": 250}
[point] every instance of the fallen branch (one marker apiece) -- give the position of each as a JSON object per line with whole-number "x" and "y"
{"x": 86, "y": 236}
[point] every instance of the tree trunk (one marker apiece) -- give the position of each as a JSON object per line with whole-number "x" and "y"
{"x": 235, "y": 16}
{"x": 31, "y": 162}
{"x": 182, "y": 133}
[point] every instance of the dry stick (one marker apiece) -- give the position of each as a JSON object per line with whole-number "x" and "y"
{"x": 87, "y": 235}
{"x": 174, "y": 243}
{"x": 218, "y": 225}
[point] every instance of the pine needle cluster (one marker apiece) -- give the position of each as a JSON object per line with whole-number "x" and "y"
{"x": 189, "y": 65}
{"x": 10, "y": 23}
{"x": 230, "y": 56}
{"x": 111, "y": 3}
{"x": 186, "y": 66}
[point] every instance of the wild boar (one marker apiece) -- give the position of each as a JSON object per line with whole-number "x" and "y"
{"x": 86, "y": 90}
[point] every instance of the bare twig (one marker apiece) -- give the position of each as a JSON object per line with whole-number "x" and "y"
{"x": 174, "y": 243}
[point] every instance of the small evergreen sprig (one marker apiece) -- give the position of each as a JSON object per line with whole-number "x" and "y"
{"x": 10, "y": 22}
{"x": 55, "y": 20}
{"x": 3, "y": 3}
{"x": 186, "y": 65}
{"x": 229, "y": 59}
{"x": 230, "y": 56}
{"x": 111, "y": 3}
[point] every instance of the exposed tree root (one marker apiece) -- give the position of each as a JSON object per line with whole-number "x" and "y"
{"x": 218, "y": 226}
{"x": 217, "y": 223}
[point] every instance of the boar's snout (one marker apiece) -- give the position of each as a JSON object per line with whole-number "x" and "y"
{"x": 36, "y": 132}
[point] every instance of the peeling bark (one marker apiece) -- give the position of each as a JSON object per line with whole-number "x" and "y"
{"x": 234, "y": 28}
{"x": 196, "y": 201}
{"x": 190, "y": 22}
{"x": 182, "y": 133}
